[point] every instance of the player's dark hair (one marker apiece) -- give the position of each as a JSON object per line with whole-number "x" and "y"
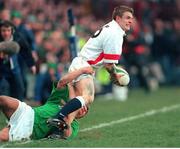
{"x": 119, "y": 11}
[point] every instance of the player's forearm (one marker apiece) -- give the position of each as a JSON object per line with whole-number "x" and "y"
{"x": 109, "y": 67}
{"x": 73, "y": 75}
{"x": 68, "y": 78}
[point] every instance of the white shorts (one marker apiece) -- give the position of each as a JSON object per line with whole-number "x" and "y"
{"x": 78, "y": 63}
{"x": 21, "y": 123}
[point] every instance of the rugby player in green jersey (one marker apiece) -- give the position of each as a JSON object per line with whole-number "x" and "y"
{"x": 26, "y": 122}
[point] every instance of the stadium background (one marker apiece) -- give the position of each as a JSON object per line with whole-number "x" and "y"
{"x": 151, "y": 54}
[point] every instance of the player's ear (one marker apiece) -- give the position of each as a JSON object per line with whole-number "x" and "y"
{"x": 118, "y": 18}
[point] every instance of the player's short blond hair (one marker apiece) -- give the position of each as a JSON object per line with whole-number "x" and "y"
{"x": 119, "y": 11}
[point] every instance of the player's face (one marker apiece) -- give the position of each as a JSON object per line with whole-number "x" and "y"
{"x": 125, "y": 21}
{"x": 6, "y": 33}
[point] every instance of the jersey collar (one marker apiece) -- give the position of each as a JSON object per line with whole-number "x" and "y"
{"x": 118, "y": 27}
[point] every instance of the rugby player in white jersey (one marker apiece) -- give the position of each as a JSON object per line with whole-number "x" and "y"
{"x": 104, "y": 48}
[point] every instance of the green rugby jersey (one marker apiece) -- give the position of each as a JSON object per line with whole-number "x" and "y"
{"x": 50, "y": 109}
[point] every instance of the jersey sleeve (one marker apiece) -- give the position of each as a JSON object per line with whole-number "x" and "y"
{"x": 112, "y": 47}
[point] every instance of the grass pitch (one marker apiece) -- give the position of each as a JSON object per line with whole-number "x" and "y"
{"x": 144, "y": 120}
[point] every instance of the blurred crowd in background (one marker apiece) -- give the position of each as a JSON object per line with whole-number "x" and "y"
{"x": 151, "y": 52}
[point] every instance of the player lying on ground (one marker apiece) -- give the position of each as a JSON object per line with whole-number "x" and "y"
{"x": 103, "y": 49}
{"x": 26, "y": 122}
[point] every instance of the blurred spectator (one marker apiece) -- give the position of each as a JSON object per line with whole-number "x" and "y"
{"x": 48, "y": 73}
{"x": 162, "y": 48}
{"x": 5, "y": 14}
{"x": 103, "y": 83}
{"x": 26, "y": 30}
{"x": 138, "y": 57}
{"x": 9, "y": 65}
{"x": 176, "y": 51}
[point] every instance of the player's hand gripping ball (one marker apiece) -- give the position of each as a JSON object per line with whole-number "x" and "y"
{"x": 120, "y": 76}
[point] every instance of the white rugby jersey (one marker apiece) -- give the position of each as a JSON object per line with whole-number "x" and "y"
{"x": 105, "y": 46}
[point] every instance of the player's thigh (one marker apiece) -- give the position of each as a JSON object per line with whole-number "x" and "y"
{"x": 85, "y": 88}
{"x": 8, "y": 105}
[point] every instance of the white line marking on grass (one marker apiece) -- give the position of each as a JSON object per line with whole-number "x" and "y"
{"x": 20, "y": 143}
{"x": 146, "y": 114}
{"x": 126, "y": 119}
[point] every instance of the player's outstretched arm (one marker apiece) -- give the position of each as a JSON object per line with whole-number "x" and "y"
{"x": 110, "y": 68}
{"x": 118, "y": 75}
{"x": 73, "y": 75}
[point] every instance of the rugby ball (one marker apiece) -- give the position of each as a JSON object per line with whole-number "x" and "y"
{"x": 122, "y": 75}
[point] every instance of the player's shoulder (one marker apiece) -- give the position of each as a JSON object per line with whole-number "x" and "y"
{"x": 108, "y": 26}
{"x": 111, "y": 30}
{"x": 112, "y": 24}
{"x": 114, "y": 28}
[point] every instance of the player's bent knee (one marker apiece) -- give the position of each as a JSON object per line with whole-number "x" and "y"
{"x": 91, "y": 99}
{"x": 88, "y": 99}
{"x": 6, "y": 101}
{"x": 3, "y": 100}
